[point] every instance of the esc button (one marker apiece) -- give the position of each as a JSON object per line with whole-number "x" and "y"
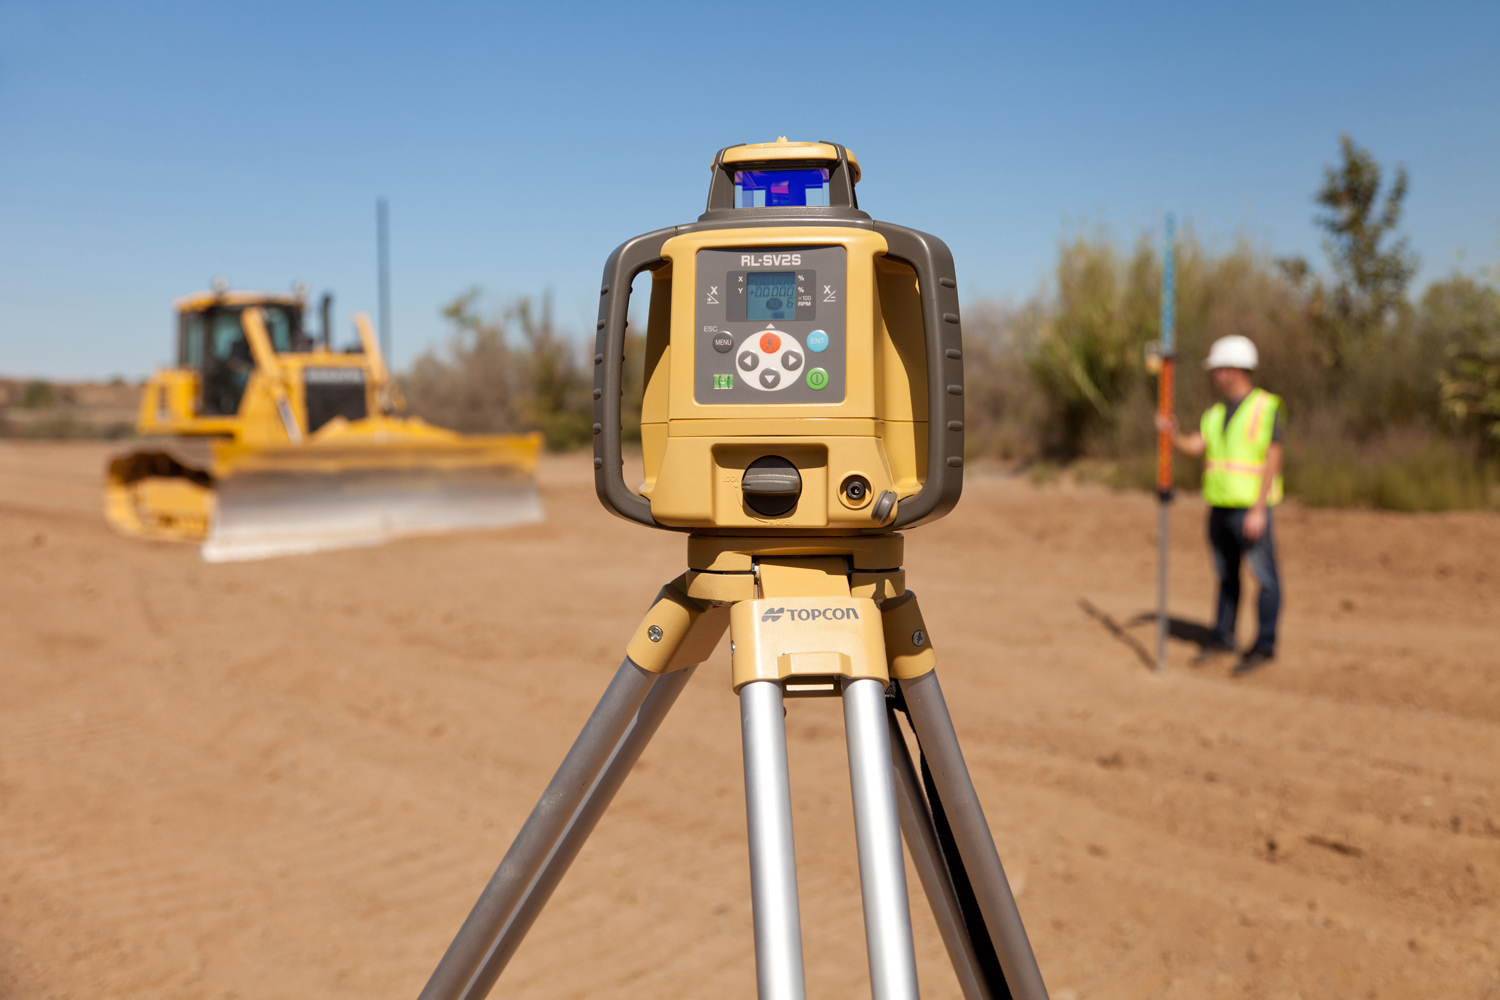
{"x": 723, "y": 342}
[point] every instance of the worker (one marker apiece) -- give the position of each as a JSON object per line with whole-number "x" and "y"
{"x": 1240, "y": 438}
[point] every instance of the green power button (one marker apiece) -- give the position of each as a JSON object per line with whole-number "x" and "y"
{"x": 817, "y": 378}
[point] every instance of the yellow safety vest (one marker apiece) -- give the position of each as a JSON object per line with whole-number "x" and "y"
{"x": 1235, "y": 456}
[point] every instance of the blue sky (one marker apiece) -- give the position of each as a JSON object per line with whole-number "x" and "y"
{"x": 148, "y": 147}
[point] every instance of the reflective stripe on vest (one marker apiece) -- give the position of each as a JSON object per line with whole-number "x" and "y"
{"x": 1235, "y": 456}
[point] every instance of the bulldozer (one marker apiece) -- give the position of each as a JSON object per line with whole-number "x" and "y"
{"x": 264, "y": 441}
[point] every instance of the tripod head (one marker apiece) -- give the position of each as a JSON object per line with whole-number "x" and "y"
{"x": 803, "y": 364}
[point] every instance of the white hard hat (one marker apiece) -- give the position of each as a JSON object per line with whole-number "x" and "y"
{"x": 1233, "y": 352}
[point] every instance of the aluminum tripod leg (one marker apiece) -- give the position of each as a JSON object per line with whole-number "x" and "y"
{"x": 927, "y": 857}
{"x": 882, "y": 872}
{"x": 773, "y": 860}
{"x": 773, "y": 863}
{"x": 618, "y": 768}
{"x": 934, "y": 729}
{"x": 541, "y": 832}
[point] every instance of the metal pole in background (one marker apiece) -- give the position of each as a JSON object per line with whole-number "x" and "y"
{"x": 383, "y": 240}
{"x": 1164, "y": 406}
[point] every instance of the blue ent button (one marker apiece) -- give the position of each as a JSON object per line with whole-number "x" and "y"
{"x": 817, "y": 341}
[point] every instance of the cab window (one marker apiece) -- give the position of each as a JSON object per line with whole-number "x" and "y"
{"x": 227, "y": 341}
{"x": 279, "y": 328}
{"x": 190, "y": 341}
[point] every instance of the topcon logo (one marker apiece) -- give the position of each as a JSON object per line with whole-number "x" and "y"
{"x": 808, "y": 614}
{"x": 770, "y": 260}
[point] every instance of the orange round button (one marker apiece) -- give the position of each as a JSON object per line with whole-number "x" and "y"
{"x": 770, "y": 343}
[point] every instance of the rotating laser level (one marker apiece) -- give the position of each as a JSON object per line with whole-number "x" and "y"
{"x": 803, "y": 399}
{"x": 804, "y": 368}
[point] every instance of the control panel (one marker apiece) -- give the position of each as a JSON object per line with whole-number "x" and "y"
{"x": 769, "y": 326}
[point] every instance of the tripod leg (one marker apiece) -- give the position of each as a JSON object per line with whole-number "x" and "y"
{"x": 677, "y": 633}
{"x": 882, "y": 873}
{"x": 529, "y": 851}
{"x": 642, "y": 728}
{"x": 773, "y": 861}
{"x": 976, "y": 847}
{"x": 927, "y": 857}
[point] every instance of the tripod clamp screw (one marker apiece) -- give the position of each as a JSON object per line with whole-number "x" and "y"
{"x": 654, "y": 633}
{"x": 919, "y": 638}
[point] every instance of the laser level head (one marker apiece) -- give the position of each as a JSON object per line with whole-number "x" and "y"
{"x": 803, "y": 362}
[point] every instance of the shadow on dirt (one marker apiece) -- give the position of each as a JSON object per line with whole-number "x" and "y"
{"x": 1118, "y": 631}
{"x": 1178, "y": 628}
{"x": 1181, "y": 629}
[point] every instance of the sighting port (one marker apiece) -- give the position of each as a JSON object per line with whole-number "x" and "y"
{"x": 855, "y": 492}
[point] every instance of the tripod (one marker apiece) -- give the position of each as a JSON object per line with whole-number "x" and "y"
{"x": 808, "y": 617}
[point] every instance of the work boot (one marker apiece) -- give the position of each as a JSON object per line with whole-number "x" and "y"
{"x": 1252, "y": 661}
{"x": 1210, "y": 652}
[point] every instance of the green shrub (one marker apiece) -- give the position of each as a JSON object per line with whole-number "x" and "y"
{"x": 38, "y": 395}
{"x": 1464, "y": 315}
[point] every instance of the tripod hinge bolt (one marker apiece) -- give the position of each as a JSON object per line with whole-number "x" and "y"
{"x": 654, "y": 633}
{"x": 919, "y": 638}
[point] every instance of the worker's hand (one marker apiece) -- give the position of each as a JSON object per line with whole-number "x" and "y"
{"x": 1166, "y": 423}
{"x": 1255, "y": 523}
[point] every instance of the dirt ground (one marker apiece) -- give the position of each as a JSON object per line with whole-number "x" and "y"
{"x": 291, "y": 778}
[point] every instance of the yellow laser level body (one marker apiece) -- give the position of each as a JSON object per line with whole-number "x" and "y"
{"x": 803, "y": 363}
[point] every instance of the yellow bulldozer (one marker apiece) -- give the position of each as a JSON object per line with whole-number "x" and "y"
{"x": 264, "y": 441}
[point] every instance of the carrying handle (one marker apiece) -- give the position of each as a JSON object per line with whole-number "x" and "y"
{"x": 629, "y": 259}
{"x": 933, "y": 262}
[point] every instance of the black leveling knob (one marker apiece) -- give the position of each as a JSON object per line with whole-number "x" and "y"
{"x": 771, "y": 486}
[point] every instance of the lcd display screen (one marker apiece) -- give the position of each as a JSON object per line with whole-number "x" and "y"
{"x": 780, "y": 188}
{"x": 771, "y": 295}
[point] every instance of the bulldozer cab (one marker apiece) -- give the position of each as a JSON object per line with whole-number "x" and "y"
{"x": 211, "y": 341}
{"x": 248, "y": 369}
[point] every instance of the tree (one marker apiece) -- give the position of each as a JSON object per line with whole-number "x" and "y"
{"x": 1464, "y": 314}
{"x": 1086, "y": 356}
{"x": 1372, "y": 273}
{"x": 557, "y": 400}
{"x": 476, "y": 383}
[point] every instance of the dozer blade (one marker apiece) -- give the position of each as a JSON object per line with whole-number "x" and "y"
{"x": 365, "y": 483}
{"x": 263, "y": 513}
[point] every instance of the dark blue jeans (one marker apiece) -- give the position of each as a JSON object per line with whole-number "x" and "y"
{"x": 1226, "y": 535}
